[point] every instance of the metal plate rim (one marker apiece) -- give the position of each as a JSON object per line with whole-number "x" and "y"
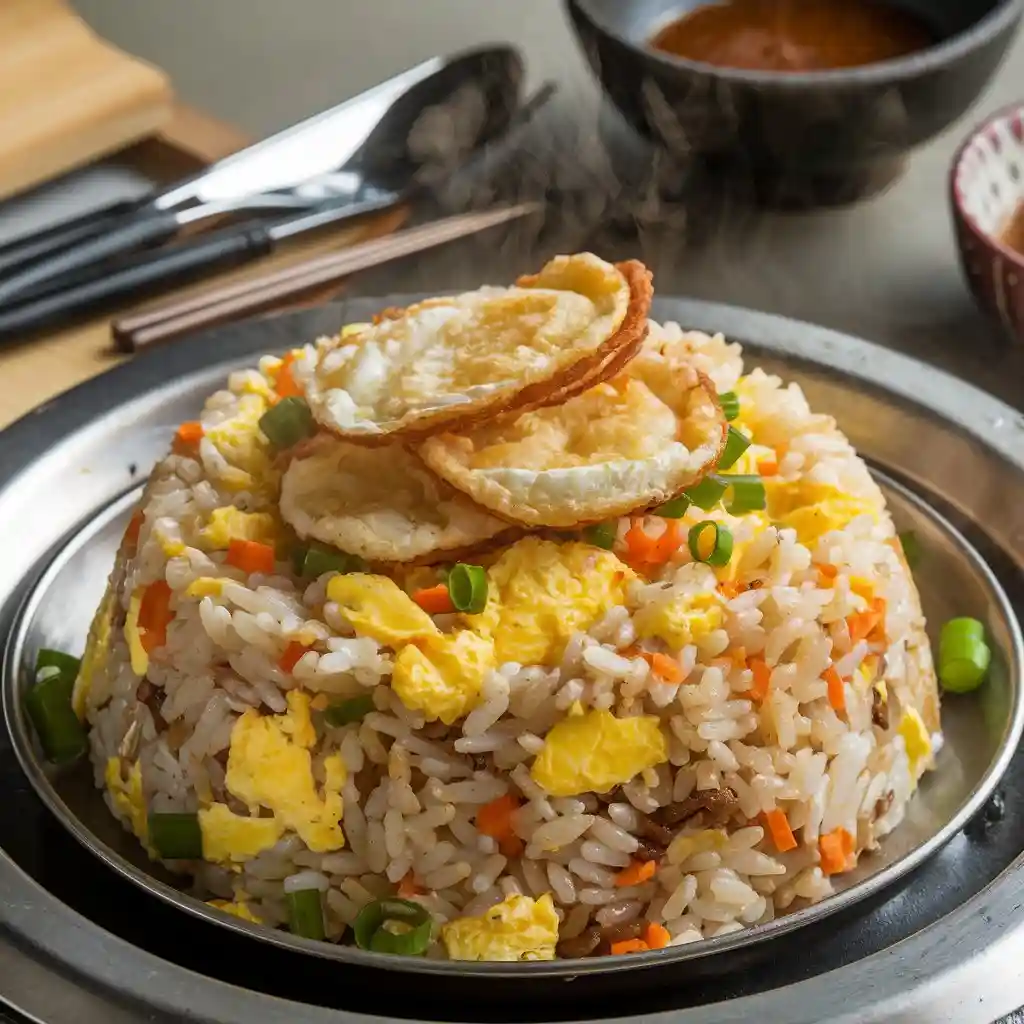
{"x": 946, "y": 396}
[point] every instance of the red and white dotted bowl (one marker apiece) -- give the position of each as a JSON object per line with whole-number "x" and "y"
{"x": 987, "y": 188}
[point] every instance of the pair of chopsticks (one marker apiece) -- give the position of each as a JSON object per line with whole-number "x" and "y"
{"x": 142, "y": 330}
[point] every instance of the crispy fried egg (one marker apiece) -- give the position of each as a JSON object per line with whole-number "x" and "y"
{"x": 447, "y": 363}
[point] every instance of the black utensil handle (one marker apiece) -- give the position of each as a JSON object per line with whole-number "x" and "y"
{"x": 30, "y": 248}
{"x": 168, "y": 267}
{"x": 129, "y": 233}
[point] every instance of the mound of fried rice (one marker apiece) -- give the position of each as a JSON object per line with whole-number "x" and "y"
{"x": 779, "y": 710}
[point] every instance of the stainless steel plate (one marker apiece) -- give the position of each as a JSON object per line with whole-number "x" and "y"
{"x": 947, "y": 443}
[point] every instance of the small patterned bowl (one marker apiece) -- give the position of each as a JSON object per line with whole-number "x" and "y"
{"x": 987, "y": 183}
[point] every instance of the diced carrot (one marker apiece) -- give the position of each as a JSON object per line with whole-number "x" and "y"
{"x": 863, "y": 624}
{"x": 879, "y": 607}
{"x": 187, "y": 439}
{"x": 286, "y": 386}
{"x": 495, "y": 819}
{"x": 731, "y": 588}
{"x": 155, "y": 615}
{"x": 836, "y": 849}
{"x": 131, "y": 533}
{"x": 407, "y": 887}
{"x": 250, "y": 556}
{"x": 511, "y": 846}
{"x": 638, "y": 872}
{"x": 657, "y": 936}
{"x": 836, "y": 692}
{"x": 781, "y": 833}
{"x": 665, "y": 668}
{"x": 762, "y": 678}
{"x": 669, "y": 542}
{"x": 640, "y": 546}
{"x": 768, "y": 467}
{"x": 738, "y": 656}
{"x": 434, "y": 600}
{"x": 826, "y": 571}
{"x": 629, "y": 946}
{"x": 292, "y": 653}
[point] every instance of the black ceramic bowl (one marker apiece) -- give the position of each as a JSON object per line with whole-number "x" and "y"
{"x": 803, "y": 139}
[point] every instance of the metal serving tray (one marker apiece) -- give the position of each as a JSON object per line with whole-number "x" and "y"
{"x": 951, "y": 461}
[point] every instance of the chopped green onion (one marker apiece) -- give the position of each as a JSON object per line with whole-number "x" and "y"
{"x": 730, "y": 404}
{"x": 306, "y": 913}
{"x": 319, "y": 559}
{"x": 66, "y": 664}
{"x": 467, "y": 587}
{"x": 176, "y": 836}
{"x": 747, "y": 494}
{"x": 964, "y": 657}
{"x": 60, "y": 732}
{"x": 674, "y": 509}
{"x": 394, "y": 926}
{"x": 345, "y": 712}
{"x": 288, "y": 422}
{"x": 735, "y": 445}
{"x": 911, "y": 547}
{"x": 602, "y": 535}
{"x": 707, "y": 493}
{"x": 298, "y": 556}
{"x": 721, "y": 548}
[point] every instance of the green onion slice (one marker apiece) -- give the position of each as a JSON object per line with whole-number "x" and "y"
{"x": 345, "y": 712}
{"x": 674, "y": 509}
{"x": 602, "y": 535}
{"x": 394, "y": 926}
{"x": 721, "y": 547}
{"x": 66, "y": 664}
{"x": 467, "y": 586}
{"x": 306, "y": 913}
{"x": 298, "y": 557}
{"x": 747, "y": 494}
{"x": 319, "y": 559}
{"x": 964, "y": 656}
{"x": 60, "y": 733}
{"x": 730, "y": 404}
{"x": 288, "y": 422}
{"x": 176, "y": 836}
{"x": 735, "y": 445}
{"x": 707, "y": 493}
{"x": 911, "y": 547}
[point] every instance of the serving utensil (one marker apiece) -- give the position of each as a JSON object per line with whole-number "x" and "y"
{"x": 359, "y": 155}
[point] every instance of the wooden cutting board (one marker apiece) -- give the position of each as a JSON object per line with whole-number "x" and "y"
{"x": 66, "y": 96}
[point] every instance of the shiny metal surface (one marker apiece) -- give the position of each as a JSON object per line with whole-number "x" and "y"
{"x": 947, "y": 441}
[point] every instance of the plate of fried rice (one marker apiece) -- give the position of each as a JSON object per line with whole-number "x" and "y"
{"x": 516, "y": 626}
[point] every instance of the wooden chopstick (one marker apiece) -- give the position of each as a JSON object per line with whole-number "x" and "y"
{"x": 265, "y": 291}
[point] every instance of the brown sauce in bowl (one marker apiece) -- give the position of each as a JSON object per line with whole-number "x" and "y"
{"x": 793, "y": 35}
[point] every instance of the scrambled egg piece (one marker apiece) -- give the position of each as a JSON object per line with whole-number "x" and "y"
{"x": 229, "y": 523}
{"x": 229, "y": 838}
{"x": 172, "y": 547}
{"x": 128, "y": 796}
{"x": 94, "y": 657}
{"x": 206, "y": 586}
{"x": 814, "y": 509}
{"x": 916, "y": 739}
{"x": 238, "y": 908}
{"x": 242, "y": 444}
{"x": 518, "y": 928}
{"x": 540, "y": 593}
{"x": 682, "y": 621}
{"x": 597, "y": 751}
{"x": 269, "y": 765}
{"x": 706, "y": 841}
{"x": 377, "y": 607}
{"x": 443, "y": 678}
{"x": 139, "y": 657}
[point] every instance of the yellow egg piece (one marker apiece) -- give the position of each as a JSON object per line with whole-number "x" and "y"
{"x": 706, "y": 841}
{"x": 594, "y": 752}
{"x": 443, "y": 677}
{"x": 139, "y": 657}
{"x": 377, "y": 607}
{"x": 518, "y": 928}
{"x": 916, "y": 740}
{"x": 814, "y": 509}
{"x": 127, "y": 795}
{"x": 679, "y": 622}
{"x": 540, "y": 593}
{"x": 269, "y": 765}
{"x": 229, "y": 523}
{"x": 236, "y": 908}
{"x": 242, "y": 444}
{"x": 230, "y": 838}
{"x": 94, "y": 657}
{"x": 206, "y": 586}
